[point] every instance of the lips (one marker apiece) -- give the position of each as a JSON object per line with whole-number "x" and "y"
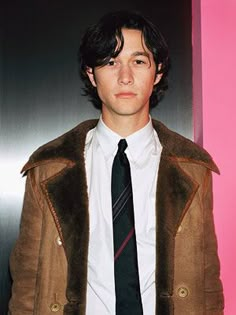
{"x": 125, "y": 95}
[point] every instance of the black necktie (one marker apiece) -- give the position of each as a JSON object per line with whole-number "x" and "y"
{"x": 128, "y": 297}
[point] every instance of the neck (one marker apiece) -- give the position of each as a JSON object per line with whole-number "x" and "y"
{"x": 125, "y": 125}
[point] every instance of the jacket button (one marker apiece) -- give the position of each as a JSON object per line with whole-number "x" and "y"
{"x": 179, "y": 229}
{"x": 58, "y": 241}
{"x": 182, "y": 292}
{"x": 55, "y": 307}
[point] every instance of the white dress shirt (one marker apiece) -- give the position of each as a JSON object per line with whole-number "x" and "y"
{"x": 143, "y": 152}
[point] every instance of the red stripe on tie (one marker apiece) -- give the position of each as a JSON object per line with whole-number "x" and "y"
{"x": 128, "y": 237}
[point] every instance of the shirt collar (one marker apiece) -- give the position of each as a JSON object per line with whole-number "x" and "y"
{"x": 142, "y": 142}
{"x": 106, "y": 138}
{"x": 139, "y": 142}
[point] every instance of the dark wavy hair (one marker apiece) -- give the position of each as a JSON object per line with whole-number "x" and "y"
{"x": 100, "y": 43}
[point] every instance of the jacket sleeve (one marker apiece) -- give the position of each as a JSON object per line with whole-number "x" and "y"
{"x": 25, "y": 255}
{"x": 214, "y": 300}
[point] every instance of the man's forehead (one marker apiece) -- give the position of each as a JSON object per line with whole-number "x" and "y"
{"x": 133, "y": 36}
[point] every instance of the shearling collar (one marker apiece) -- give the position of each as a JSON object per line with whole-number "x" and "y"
{"x": 69, "y": 147}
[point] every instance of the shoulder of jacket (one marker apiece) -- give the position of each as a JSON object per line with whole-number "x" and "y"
{"x": 66, "y": 148}
{"x": 182, "y": 148}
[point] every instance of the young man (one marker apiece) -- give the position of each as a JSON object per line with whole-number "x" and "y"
{"x": 66, "y": 259}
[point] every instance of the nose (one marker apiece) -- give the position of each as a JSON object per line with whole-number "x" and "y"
{"x": 125, "y": 75}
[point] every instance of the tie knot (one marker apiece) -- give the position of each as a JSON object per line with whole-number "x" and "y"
{"x": 122, "y": 145}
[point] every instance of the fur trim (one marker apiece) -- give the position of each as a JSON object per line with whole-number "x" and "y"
{"x": 67, "y": 194}
{"x": 66, "y": 146}
{"x": 175, "y": 191}
{"x": 183, "y": 148}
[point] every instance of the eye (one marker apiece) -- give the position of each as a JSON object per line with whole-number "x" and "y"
{"x": 111, "y": 62}
{"x": 139, "y": 62}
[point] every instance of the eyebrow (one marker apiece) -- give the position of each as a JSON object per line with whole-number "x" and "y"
{"x": 141, "y": 53}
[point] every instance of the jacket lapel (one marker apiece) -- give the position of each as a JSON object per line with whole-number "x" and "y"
{"x": 67, "y": 195}
{"x": 175, "y": 191}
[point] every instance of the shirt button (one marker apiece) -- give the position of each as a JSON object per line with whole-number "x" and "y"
{"x": 55, "y": 307}
{"x": 182, "y": 292}
{"x": 58, "y": 241}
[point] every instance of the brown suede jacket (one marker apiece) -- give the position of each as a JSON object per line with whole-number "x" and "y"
{"x": 49, "y": 261}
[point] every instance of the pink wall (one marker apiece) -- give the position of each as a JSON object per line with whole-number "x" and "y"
{"x": 218, "y": 46}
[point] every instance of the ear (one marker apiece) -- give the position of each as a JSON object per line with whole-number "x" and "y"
{"x": 158, "y": 78}
{"x": 158, "y": 75}
{"x": 90, "y": 74}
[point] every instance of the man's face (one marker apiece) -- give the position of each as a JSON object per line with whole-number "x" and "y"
{"x": 125, "y": 84}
